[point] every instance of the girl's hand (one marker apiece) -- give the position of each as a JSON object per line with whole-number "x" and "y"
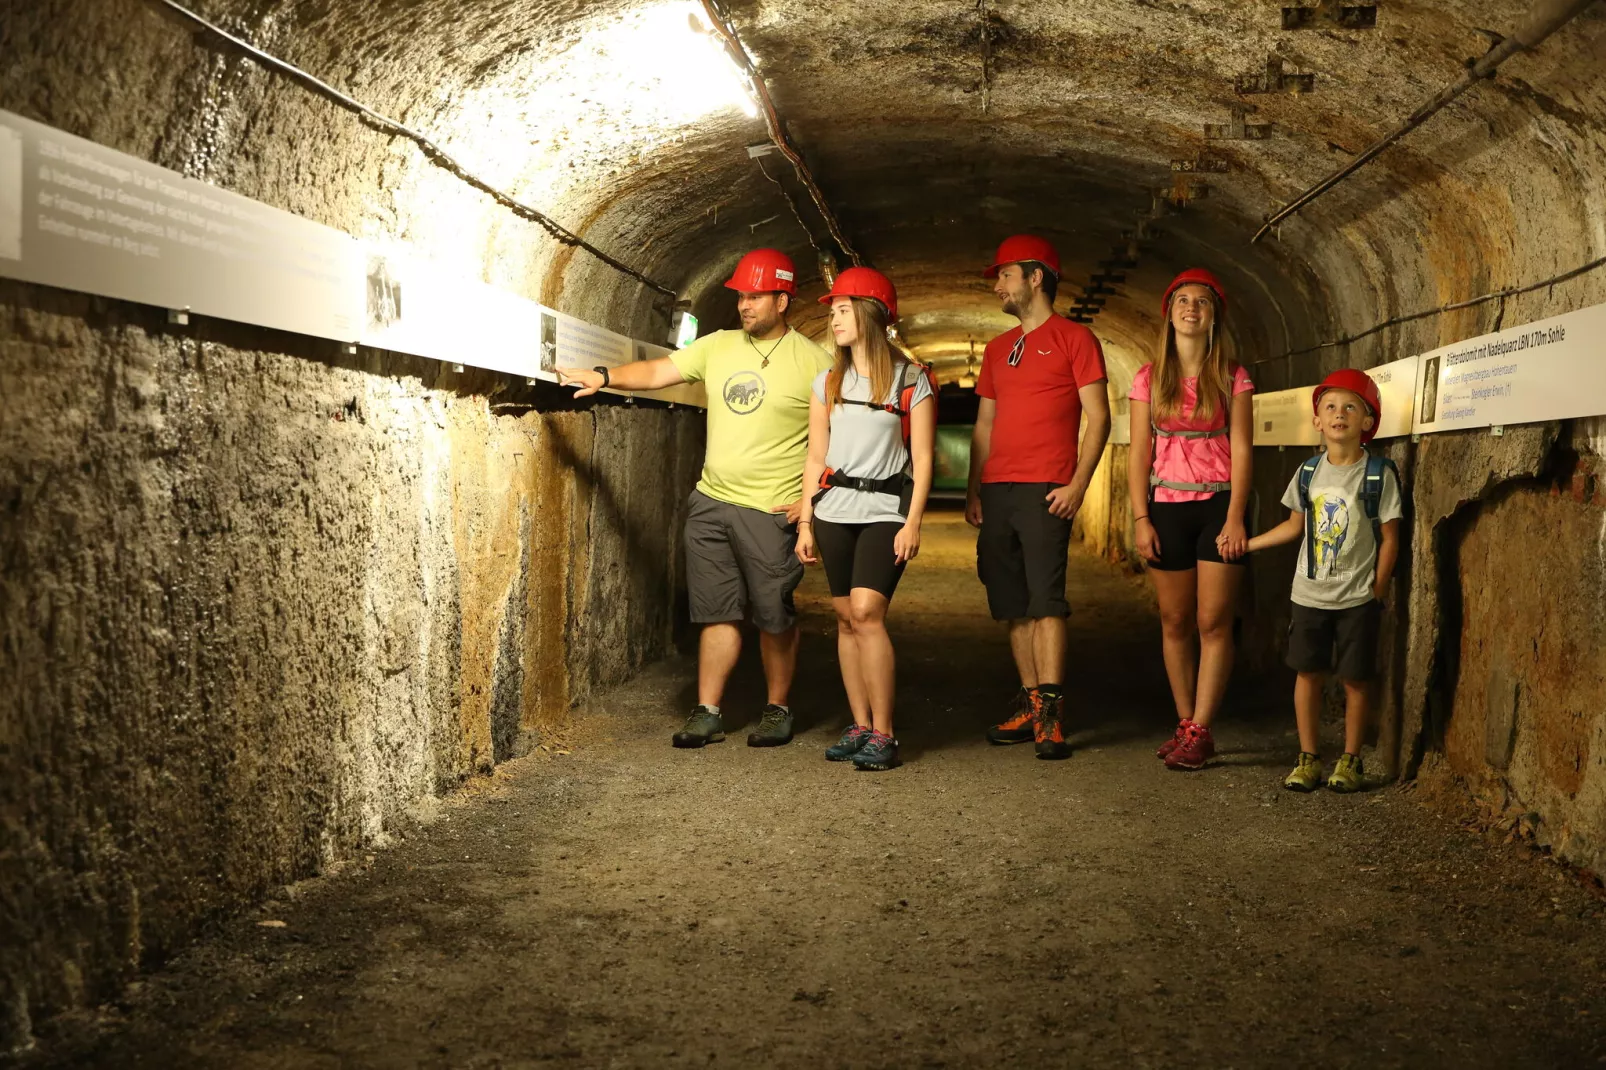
{"x": 1148, "y": 540}
{"x": 805, "y": 543}
{"x": 906, "y": 544}
{"x": 1233, "y": 542}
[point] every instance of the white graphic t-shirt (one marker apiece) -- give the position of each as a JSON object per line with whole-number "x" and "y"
{"x": 1346, "y": 550}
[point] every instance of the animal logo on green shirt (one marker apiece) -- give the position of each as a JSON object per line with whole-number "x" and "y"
{"x": 744, "y": 392}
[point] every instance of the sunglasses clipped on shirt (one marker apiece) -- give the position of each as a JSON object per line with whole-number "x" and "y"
{"x": 1017, "y": 351}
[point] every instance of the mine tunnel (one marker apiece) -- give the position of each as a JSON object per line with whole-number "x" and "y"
{"x": 343, "y": 645}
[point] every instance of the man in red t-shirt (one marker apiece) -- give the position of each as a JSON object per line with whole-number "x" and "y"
{"x": 1028, "y": 477}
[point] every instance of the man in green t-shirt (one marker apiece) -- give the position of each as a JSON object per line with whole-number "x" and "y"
{"x": 741, "y": 524}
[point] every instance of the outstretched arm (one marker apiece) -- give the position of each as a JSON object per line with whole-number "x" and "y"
{"x": 642, "y": 375}
{"x": 1290, "y": 530}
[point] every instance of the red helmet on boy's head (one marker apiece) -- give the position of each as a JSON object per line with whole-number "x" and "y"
{"x": 1197, "y": 277}
{"x": 764, "y": 271}
{"x": 1022, "y": 248}
{"x": 1358, "y": 383}
{"x": 865, "y": 282}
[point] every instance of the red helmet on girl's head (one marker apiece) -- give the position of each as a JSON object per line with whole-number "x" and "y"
{"x": 1358, "y": 383}
{"x": 1198, "y": 277}
{"x": 865, "y": 282}
{"x": 1021, "y": 248}
{"x": 764, "y": 271}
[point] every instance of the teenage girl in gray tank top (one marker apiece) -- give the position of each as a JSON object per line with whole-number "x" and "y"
{"x": 864, "y": 522}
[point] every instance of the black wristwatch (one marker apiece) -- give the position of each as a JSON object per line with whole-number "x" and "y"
{"x": 603, "y": 368}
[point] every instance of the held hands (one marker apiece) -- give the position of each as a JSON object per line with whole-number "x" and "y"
{"x": 1063, "y": 502}
{"x": 588, "y": 381}
{"x": 1233, "y": 542}
{"x": 1148, "y": 540}
{"x": 906, "y": 544}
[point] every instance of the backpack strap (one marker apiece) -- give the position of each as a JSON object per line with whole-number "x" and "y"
{"x": 1307, "y": 472}
{"x": 1372, "y": 493}
{"x": 1217, "y": 433}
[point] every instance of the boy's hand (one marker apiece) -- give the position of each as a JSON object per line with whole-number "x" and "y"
{"x": 1233, "y": 542}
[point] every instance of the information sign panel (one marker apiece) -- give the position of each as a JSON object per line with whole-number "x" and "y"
{"x": 1554, "y": 369}
{"x": 1396, "y": 385}
{"x": 84, "y": 217}
{"x": 1283, "y": 418}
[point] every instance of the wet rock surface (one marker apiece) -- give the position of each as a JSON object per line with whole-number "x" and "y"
{"x": 611, "y": 901}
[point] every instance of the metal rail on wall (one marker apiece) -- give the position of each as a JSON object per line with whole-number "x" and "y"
{"x": 1544, "y": 19}
{"x": 436, "y": 155}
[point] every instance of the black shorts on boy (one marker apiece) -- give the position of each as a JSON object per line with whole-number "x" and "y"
{"x": 1342, "y": 641}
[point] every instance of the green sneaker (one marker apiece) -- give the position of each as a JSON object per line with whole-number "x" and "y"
{"x": 1307, "y": 775}
{"x": 701, "y": 728}
{"x": 774, "y": 728}
{"x": 1347, "y": 775}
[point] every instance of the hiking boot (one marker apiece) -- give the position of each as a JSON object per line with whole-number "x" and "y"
{"x": 1195, "y": 749}
{"x": 1174, "y": 742}
{"x": 1307, "y": 775}
{"x": 852, "y": 739}
{"x": 1018, "y": 728}
{"x": 1348, "y": 775}
{"x": 701, "y": 728}
{"x": 1048, "y": 730}
{"x": 879, "y": 753}
{"x": 774, "y": 728}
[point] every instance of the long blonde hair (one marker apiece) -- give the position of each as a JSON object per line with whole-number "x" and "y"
{"x": 1215, "y": 373}
{"x": 871, "y": 317}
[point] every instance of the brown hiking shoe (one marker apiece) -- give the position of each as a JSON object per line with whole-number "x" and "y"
{"x": 1048, "y": 729}
{"x": 1018, "y": 728}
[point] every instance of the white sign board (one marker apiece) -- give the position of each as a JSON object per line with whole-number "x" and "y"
{"x": 1396, "y": 385}
{"x": 83, "y": 217}
{"x": 1283, "y": 418}
{"x": 1554, "y": 369}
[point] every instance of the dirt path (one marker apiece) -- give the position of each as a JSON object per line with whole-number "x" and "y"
{"x": 633, "y": 905}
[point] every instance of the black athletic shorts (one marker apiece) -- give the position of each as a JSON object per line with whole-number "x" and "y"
{"x": 1315, "y": 635}
{"x": 1021, "y": 551}
{"x": 1188, "y": 532}
{"x": 859, "y": 555}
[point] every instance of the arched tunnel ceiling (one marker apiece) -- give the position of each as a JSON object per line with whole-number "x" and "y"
{"x": 930, "y": 137}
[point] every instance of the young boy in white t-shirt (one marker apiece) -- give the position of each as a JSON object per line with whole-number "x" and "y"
{"x": 1345, "y": 505}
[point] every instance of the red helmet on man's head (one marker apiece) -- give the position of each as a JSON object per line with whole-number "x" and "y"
{"x": 1358, "y": 383}
{"x": 865, "y": 282}
{"x": 1021, "y": 248}
{"x": 764, "y": 271}
{"x": 1197, "y": 277}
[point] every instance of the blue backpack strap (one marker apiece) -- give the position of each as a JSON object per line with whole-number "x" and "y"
{"x": 1372, "y": 491}
{"x": 1307, "y": 472}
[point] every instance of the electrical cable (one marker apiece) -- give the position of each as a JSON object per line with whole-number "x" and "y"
{"x": 436, "y": 155}
{"x": 790, "y": 203}
{"x": 1498, "y": 295}
{"x": 772, "y": 121}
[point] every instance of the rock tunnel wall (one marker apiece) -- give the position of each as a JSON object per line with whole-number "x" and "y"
{"x": 257, "y": 606}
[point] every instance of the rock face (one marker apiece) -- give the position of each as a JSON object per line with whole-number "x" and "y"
{"x": 258, "y": 600}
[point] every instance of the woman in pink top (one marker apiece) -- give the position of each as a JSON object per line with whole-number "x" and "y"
{"x": 1189, "y": 473}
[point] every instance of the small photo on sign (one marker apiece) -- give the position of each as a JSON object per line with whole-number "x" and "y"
{"x": 1430, "y": 390}
{"x": 384, "y": 295}
{"x": 10, "y": 194}
{"x": 549, "y": 342}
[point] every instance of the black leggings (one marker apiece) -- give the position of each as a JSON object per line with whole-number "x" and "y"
{"x": 859, "y": 555}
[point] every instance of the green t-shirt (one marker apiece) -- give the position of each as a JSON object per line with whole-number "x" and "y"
{"x": 758, "y": 414}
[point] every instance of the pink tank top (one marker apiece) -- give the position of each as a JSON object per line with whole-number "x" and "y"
{"x": 1181, "y": 459}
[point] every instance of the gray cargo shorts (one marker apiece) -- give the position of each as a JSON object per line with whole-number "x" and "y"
{"x": 740, "y": 560}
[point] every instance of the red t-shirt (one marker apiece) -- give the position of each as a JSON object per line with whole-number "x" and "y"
{"x": 1039, "y": 416}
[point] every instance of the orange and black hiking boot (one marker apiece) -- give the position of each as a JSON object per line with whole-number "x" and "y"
{"x": 1018, "y": 727}
{"x": 1048, "y": 724}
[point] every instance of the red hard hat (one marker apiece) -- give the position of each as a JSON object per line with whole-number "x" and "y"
{"x": 1019, "y": 248}
{"x": 764, "y": 271}
{"x": 865, "y": 282}
{"x": 1198, "y": 276}
{"x": 1358, "y": 383}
